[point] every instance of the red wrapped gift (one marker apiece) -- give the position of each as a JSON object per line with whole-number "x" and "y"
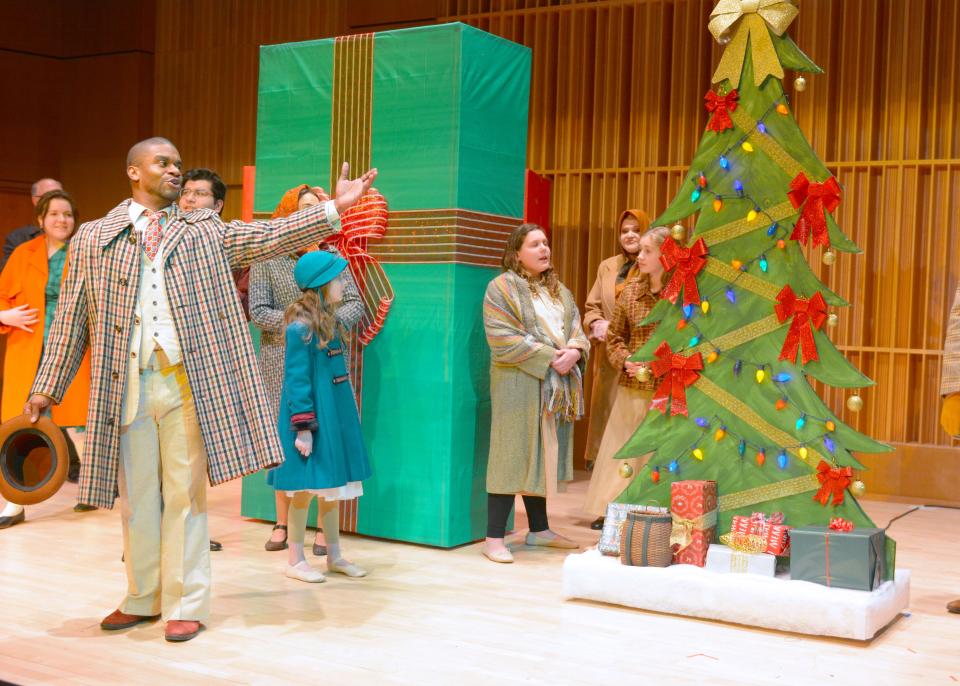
{"x": 693, "y": 505}
{"x": 770, "y": 528}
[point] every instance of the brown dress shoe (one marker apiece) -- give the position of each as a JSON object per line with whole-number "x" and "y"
{"x": 117, "y": 620}
{"x": 954, "y": 607}
{"x": 179, "y": 630}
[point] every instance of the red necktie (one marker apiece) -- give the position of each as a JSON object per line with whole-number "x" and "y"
{"x": 152, "y": 234}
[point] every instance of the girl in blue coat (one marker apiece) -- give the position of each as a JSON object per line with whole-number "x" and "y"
{"x": 318, "y": 423}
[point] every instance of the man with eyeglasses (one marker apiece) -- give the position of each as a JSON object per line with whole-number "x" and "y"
{"x": 30, "y": 231}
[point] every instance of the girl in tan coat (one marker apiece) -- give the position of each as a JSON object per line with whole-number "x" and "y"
{"x": 613, "y": 274}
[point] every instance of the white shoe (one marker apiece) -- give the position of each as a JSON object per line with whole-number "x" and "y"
{"x": 304, "y": 572}
{"x": 341, "y": 566}
{"x": 501, "y": 556}
{"x": 555, "y": 541}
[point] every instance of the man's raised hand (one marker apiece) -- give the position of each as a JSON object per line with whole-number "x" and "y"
{"x": 349, "y": 191}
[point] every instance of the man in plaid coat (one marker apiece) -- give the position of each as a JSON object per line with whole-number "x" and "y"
{"x": 950, "y": 386}
{"x": 176, "y": 396}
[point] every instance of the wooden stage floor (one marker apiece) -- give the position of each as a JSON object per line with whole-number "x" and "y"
{"x": 429, "y": 616}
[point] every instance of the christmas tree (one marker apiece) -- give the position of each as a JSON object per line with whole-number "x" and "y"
{"x": 740, "y": 325}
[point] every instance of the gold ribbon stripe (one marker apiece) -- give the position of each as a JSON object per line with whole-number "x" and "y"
{"x": 740, "y": 409}
{"x": 745, "y": 334}
{"x": 742, "y": 227}
{"x": 766, "y": 143}
{"x": 762, "y": 494}
{"x": 350, "y": 137}
{"x": 742, "y": 279}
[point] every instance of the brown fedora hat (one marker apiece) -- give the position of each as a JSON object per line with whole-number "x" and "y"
{"x": 33, "y": 459}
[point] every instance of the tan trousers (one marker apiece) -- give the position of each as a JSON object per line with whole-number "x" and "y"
{"x": 163, "y": 482}
{"x": 606, "y": 484}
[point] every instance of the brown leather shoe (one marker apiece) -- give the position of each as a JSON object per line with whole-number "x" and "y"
{"x": 179, "y": 630}
{"x": 117, "y": 620}
{"x": 954, "y": 607}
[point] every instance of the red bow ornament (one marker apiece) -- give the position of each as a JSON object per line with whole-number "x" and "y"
{"x": 841, "y": 524}
{"x": 686, "y": 263}
{"x": 833, "y": 482}
{"x": 816, "y": 198}
{"x": 679, "y": 372}
{"x": 807, "y": 316}
{"x": 720, "y": 106}
{"x": 365, "y": 220}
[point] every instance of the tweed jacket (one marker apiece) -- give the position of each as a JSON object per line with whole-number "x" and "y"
{"x": 96, "y": 310}
{"x": 950, "y": 374}
{"x": 626, "y": 334}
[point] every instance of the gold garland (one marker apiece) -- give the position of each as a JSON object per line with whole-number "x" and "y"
{"x": 740, "y": 409}
{"x": 770, "y": 147}
{"x": 742, "y": 227}
{"x": 745, "y": 334}
{"x": 724, "y": 271}
{"x": 762, "y": 494}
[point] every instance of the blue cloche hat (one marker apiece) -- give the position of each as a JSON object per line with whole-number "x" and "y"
{"x": 317, "y": 268}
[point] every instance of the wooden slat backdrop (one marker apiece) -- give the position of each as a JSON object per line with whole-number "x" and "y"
{"x": 616, "y": 114}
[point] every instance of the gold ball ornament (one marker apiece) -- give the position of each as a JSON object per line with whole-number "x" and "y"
{"x": 829, "y": 257}
{"x": 858, "y": 488}
{"x": 678, "y": 232}
{"x": 800, "y": 83}
{"x": 855, "y": 403}
{"x": 643, "y": 374}
{"x": 626, "y": 471}
{"x": 832, "y": 320}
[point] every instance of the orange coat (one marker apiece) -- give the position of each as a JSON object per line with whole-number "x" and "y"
{"x": 23, "y": 282}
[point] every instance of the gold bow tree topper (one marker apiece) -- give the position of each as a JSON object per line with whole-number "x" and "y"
{"x": 760, "y": 25}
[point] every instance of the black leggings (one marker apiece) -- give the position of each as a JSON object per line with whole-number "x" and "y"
{"x": 499, "y": 506}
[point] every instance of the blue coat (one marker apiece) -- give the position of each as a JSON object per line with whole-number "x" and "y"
{"x": 317, "y": 395}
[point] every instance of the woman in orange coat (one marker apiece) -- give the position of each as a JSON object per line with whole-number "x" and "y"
{"x": 29, "y": 291}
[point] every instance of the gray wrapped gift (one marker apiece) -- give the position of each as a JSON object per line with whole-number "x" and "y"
{"x": 853, "y": 559}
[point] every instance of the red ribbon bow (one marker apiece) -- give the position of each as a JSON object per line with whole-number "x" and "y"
{"x": 833, "y": 480}
{"x": 365, "y": 220}
{"x": 816, "y": 199}
{"x": 804, "y": 312}
{"x": 688, "y": 262}
{"x": 680, "y": 372}
{"x": 720, "y": 106}
{"x": 841, "y": 524}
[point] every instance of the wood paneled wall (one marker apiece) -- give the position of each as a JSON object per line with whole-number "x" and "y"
{"x": 616, "y": 114}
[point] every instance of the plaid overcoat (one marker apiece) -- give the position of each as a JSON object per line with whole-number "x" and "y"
{"x": 96, "y": 309}
{"x": 950, "y": 379}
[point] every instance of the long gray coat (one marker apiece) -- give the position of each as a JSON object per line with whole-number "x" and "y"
{"x": 518, "y": 366}
{"x": 97, "y": 309}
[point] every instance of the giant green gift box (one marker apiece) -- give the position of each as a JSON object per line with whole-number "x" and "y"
{"x": 441, "y": 112}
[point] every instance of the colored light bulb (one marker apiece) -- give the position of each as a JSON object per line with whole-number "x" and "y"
{"x": 781, "y": 244}
{"x": 681, "y": 325}
{"x": 731, "y": 294}
{"x": 698, "y": 454}
{"x": 764, "y": 265}
{"x": 719, "y": 434}
{"x": 761, "y": 127}
{"x": 760, "y": 375}
{"x": 738, "y": 367}
{"x": 830, "y": 425}
{"x": 687, "y": 311}
{"x": 736, "y": 264}
{"x": 783, "y": 377}
{"x": 772, "y": 230}
{"x": 717, "y": 205}
{"x": 801, "y": 422}
{"x": 702, "y": 181}
{"x": 695, "y": 195}
{"x": 695, "y": 341}
{"x": 712, "y": 356}
{"x": 702, "y": 422}
{"x": 761, "y": 457}
{"x": 747, "y": 147}
{"x": 655, "y": 476}
{"x": 673, "y": 466}
{"x": 782, "y": 460}
{"x": 738, "y": 186}
{"x": 802, "y": 452}
{"x": 724, "y": 162}
{"x": 782, "y": 109}
{"x": 780, "y": 404}
{"x": 829, "y": 444}
{"x": 742, "y": 447}
{"x": 705, "y": 306}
